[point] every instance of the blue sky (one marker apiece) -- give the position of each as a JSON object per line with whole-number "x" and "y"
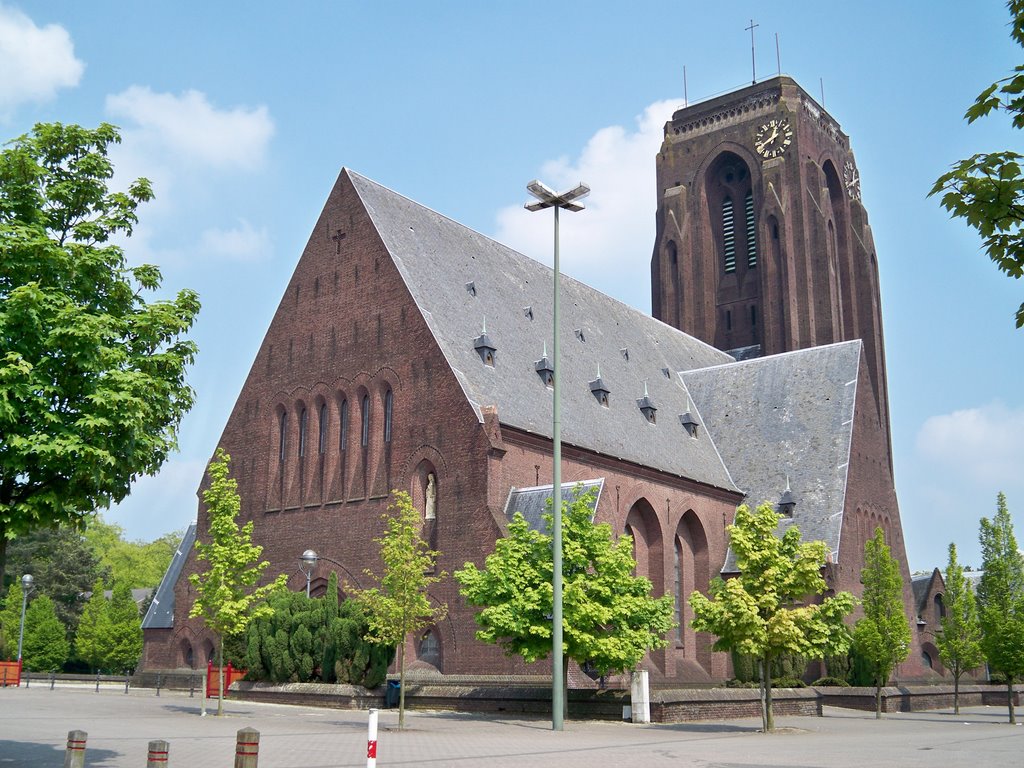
{"x": 243, "y": 114}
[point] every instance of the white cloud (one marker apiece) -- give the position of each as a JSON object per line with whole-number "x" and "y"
{"x": 607, "y": 246}
{"x": 191, "y": 129}
{"x": 36, "y": 61}
{"x": 242, "y": 243}
{"x": 982, "y": 444}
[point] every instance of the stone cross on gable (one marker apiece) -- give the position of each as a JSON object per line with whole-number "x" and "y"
{"x": 337, "y": 237}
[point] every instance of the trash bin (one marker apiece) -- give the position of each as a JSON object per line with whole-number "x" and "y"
{"x": 392, "y": 693}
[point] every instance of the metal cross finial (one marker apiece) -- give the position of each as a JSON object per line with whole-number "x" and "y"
{"x": 753, "y": 65}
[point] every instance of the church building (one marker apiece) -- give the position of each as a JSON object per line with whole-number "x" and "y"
{"x": 410, "y": 352}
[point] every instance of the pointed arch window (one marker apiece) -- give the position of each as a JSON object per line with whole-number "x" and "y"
{"x": 343, "y": 431}
{"x": 389, "y": 400}
{"x": 728, "y": 235}
{"x": 322, "y": 442}
{"x": 678, "y": 562}
{"x": 364, "y": 439}
{"x": 303, "y": 419}
{"x": 748, "y": 209}
{"x": 282, "y": 437}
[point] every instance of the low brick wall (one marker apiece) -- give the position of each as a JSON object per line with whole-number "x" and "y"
{"x": 915, "y": 698}
{"x": 667, "y": 705}
{"x": 678, "y": 706}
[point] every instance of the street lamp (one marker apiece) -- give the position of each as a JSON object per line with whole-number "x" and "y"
{"x": 26, "y": 587}
{"x": 548, "y": 198}
{"x": 307, "y": 562}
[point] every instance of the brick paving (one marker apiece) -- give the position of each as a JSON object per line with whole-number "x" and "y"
{"x": 34, "y": 724}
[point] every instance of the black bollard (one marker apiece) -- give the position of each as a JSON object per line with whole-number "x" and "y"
{"x": 127, "y": 679}
{"x": 191, "y": 686}
{"x": 53, "y": 678}
{"x": 97, "y": 682}
{"x": 158, "y": 680}
{"x": 28, "y": 678}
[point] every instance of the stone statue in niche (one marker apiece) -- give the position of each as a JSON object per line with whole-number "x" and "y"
{"x": 430, "y": 512}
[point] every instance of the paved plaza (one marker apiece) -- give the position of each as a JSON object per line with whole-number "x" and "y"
{"x": 34, "y": 724}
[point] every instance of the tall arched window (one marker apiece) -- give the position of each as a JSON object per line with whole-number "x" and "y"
{"x": 303, "y": 419}
{"x": 322, "y": 442}
{"x": 365, "y": 438}
{"x": 388, "y": 404}
{"x": 343, "y": 432}
{"x": 282, "y": 437}
{"x": 748, "y": 210}
{"x": 729, "y": 235}
{"x": 678, "y": 561}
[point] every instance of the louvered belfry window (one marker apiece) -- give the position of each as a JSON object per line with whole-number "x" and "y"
{"x": 751, "y": 231}
{"x": 728, "y": 235}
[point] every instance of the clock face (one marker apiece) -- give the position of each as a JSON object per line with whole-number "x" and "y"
{"x": 773, "y": 137}
{"x": 852, "y": 178}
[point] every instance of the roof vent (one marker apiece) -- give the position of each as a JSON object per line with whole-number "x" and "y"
{"x": 599, "y": 390}
{"x": 579, "y": 334}
{"x": 544, "y": 369}
{"x": 647, "y": 407}
{"x": 689, "y": 423}
{"x": 471, "y": 287}
{"x": 625, "y": 353}
{"x": 485, "y": 347}
{"x": 787, "y": 502}
{"x": 528, "y": 311}
{"x": 667, "y": 373}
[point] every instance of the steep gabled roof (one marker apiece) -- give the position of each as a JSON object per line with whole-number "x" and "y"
{"x": 787, "y": 415}
{"x": 161, "y": 611}
{"x": 465, "y": 284}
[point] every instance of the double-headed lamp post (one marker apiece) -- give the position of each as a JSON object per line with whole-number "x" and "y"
{"x": 548, "y": 198}
{"x": 26, "y": 587}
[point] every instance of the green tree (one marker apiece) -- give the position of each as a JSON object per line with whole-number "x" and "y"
{"x": 63, "y": 566}
{"x": 92, "y": 378}
{"x": 882, "y": 637}
{"x": 135, "y": 563}
{"x": 10, "y": 622}
{"x": 609, "y": 618}
{"x": 960, "y": 639}
{"x": 46, "y": 646}
{"x": 1001, "y": 599}
{"x": 93, "y": 633}
{"x": 227, "y": 595}
{"x": 987, "y": 189}
{"x": 400, "y": 605}
{"x": 125, "y": 645}
{"x": 766, "y": 610}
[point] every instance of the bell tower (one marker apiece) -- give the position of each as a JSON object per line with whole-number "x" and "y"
{"x": 763, "y": 245}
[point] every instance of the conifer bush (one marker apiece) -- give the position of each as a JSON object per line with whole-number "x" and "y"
{"x": 315, "y": 639}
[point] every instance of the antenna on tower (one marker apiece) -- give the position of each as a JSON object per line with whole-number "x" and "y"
{"x": 778, "y": 58}
{"x": 821, "y": 82}
{"x": 753, "y": 65}
{"x": 686, "y": 97}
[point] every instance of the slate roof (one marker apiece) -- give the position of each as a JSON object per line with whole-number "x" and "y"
{"x": 532, "y": 502}
{"x": 786, "y": 415}
{"x": 510, "y": 299}
{"x": 161, "y": 611}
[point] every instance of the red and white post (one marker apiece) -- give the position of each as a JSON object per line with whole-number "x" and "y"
{"x": 371, "y": 740}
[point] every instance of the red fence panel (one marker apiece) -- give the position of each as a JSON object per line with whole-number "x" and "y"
{"x": 10, "y": 673}
{"x": 230, "y": 675}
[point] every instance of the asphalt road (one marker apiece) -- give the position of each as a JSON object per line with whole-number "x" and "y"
{"x": 34, "y": 725}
